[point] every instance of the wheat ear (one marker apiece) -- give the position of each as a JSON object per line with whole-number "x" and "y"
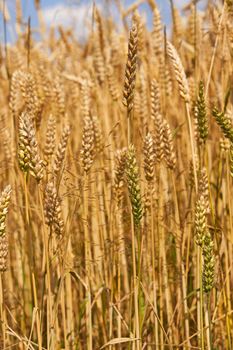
{"x": 130, "y": 75}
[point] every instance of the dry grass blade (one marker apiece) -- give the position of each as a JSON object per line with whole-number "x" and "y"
{"x": 116, "y": 341}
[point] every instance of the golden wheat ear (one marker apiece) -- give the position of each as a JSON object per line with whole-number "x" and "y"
{"x": 149, "y": 157}
{"x": 201, "y": 114}
{"x": 28, "y": 151}
{"x": 50, "y": 137}
{"x": 157, "y": 33}
{"x": 120, "y": 165}
{"x": 169, "y": 153}
{"x": 157, "y": 120}
{"x": 204, "y": 240}
{"x": 88, "y": 141}
{"x": 179, "y": 71}
{"x": 131, "y": 68}
{"x": 200, "y": 220}
{"x": 4, "y": 204}
{"x": 112, "y": 83}
{"x": 52, "y": 209}
{"x": 61, "y": 150}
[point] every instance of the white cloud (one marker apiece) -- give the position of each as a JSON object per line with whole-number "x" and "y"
{"x": 77, "y": 17}
{"x": 181, "y": 3}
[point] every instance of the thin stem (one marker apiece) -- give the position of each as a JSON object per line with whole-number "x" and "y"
{"x": 201, "y": 298}
{"x": 135, "y": 283}
{"x": 192, "y": 145}
{"x": 181, "y": 264}
{"x": 2, "y": 313}
{"x": 153, "y": 267}
{"x": 214, "y": 51}
{"x": 47, "y": 275}
{"x": 87, "y": 261}
{"x": 129, "y": 127}
{"x": 207, "y": 322}
{"x": 38, "y": 323}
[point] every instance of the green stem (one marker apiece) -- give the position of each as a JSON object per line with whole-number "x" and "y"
{"x": 201, "y": 299}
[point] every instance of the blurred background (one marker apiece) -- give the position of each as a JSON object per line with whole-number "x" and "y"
{"x": 77, "y": 14}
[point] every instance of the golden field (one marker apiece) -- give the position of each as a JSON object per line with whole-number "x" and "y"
{"x": 116, "y": 164}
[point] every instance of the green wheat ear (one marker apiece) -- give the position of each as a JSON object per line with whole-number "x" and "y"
{"x": 201, "y": 113}
{"x": 200, "y": 221}
{"x": 224, "y": 122}
{"x": 133, "y": 181}
{"x": 208, "y": 262}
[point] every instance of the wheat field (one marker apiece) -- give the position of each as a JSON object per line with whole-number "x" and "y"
{"x": 116, "y": 182}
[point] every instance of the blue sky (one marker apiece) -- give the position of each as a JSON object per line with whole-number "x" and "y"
{"x": 77, "y": 13}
